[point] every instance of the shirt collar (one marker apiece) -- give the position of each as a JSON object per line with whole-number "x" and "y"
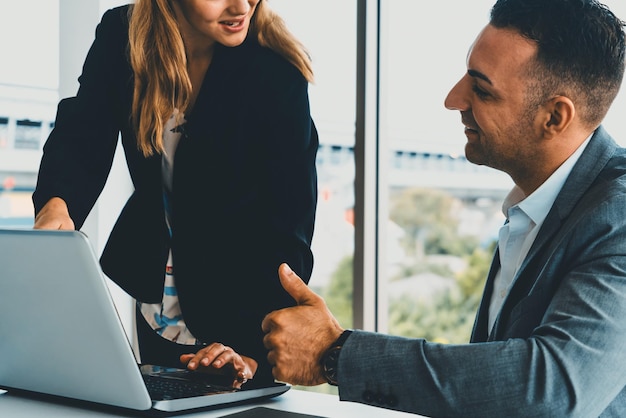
{"x": 537, "y": 205}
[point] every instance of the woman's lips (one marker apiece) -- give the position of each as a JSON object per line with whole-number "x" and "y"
{"x": 233, "y": 25}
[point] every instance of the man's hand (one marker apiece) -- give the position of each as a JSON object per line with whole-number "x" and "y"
{"x": 297, "y": 337}
{"x": 54, "y": 215}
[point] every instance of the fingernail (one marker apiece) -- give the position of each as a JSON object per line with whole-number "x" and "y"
{"x": 288, "y": 269}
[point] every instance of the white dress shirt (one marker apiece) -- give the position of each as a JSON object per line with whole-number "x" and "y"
{"x": 525, "y": 215}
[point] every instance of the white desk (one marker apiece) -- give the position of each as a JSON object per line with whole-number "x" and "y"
{"x": 311, "y": 403}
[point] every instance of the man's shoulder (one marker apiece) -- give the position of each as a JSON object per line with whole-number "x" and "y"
{"x": 615, "y": 167}
{"x": 603, "y": 158}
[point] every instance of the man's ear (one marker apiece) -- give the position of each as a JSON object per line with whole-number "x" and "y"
{"x": 559, "y": 114}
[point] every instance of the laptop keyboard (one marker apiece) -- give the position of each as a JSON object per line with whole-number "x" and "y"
{"x": 162, "y": 388}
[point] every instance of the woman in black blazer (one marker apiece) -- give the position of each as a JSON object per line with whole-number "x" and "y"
{"x": 211, "y": 100}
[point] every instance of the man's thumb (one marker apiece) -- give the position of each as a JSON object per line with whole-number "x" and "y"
{"x": 294, "y": 285}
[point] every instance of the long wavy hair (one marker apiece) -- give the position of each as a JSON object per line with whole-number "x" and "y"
{"x": 159, "y": 62}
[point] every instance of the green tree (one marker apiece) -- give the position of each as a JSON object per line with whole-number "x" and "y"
{"x": 471, "y": 281}
{"x": 418, "y": 211}
{"x": 428, "y": 218}
{"x": 449, "y": 316}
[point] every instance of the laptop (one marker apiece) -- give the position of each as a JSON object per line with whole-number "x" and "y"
{"x": 62, "y": 336}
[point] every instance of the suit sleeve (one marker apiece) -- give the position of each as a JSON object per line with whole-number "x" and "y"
{"x": 79, "y": 152}
{"x": 570, "y": 365}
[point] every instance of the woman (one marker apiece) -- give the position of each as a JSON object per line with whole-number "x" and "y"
{"x": 210, "y": 98}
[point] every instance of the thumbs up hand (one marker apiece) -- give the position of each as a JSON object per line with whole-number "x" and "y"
{"x": 298, "y": 336}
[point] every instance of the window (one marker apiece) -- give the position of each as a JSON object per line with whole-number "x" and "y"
{"x": 330, "y": 39}
{"x": 4, "y": 132}
{"x": 28, "y": 99}
{"x": 27, "y": 134}
{"x": 443, "y": 213}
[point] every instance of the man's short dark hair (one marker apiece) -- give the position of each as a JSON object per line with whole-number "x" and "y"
{"x": 581, "y": 50}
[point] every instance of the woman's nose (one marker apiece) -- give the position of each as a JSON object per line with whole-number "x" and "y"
{"x": 240, "y": 7}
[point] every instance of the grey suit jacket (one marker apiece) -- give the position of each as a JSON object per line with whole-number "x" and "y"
{"x": 557, "y": 348}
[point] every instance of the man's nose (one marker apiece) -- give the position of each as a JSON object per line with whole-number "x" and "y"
{"x": 457, "y": 97}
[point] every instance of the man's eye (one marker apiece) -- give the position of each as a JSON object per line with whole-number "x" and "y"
{"x": 482, "y": 94}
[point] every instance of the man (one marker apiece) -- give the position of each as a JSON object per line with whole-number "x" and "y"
{"x": 550, "y": 334}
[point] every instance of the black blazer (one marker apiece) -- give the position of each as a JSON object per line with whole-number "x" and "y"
{"x": 245, "y": 186}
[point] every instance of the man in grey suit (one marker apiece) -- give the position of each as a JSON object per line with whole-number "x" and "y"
{"x": 550, "y": 335}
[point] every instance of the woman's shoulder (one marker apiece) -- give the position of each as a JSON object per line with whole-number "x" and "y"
{"x": 114, "y": 21}
{"x": 107, "y": 58}
{"x": 112, "y": 34}
{"x": 117, "y": 14}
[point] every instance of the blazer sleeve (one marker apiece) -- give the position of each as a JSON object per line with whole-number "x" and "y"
{"x": 292, "y": 154}
{"x": 285, "y": 233}
{"x": 78, "y": 154}
{"x": 572, "y": 363}
{"x": 293, "y": 192}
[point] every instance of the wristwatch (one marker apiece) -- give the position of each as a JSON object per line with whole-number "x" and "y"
{"x": 330, "y": 358}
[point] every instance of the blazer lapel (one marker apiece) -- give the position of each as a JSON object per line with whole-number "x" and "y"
{"x": 480, "y": 332}
{"x": 593, "y": 160}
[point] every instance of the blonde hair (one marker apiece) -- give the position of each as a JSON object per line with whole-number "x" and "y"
{"x": 159, "y": 62}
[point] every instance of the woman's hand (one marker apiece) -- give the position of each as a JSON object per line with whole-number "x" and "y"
{"x": 54, "y": 215}
{"x": 221, "y": 359}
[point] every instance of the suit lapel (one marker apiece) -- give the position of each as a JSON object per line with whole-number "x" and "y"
{"x": 480, "y": 332}
{"x": 587, "y": 168}
{"x": 592, "y": 161}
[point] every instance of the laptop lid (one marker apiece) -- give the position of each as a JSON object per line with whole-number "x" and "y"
{"x": 61, "y": 334}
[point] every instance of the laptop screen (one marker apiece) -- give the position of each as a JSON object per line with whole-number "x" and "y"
{"x": 61, "y": 332}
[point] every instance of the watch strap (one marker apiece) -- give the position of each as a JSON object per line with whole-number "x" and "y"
{"x": 330, "y": 358}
